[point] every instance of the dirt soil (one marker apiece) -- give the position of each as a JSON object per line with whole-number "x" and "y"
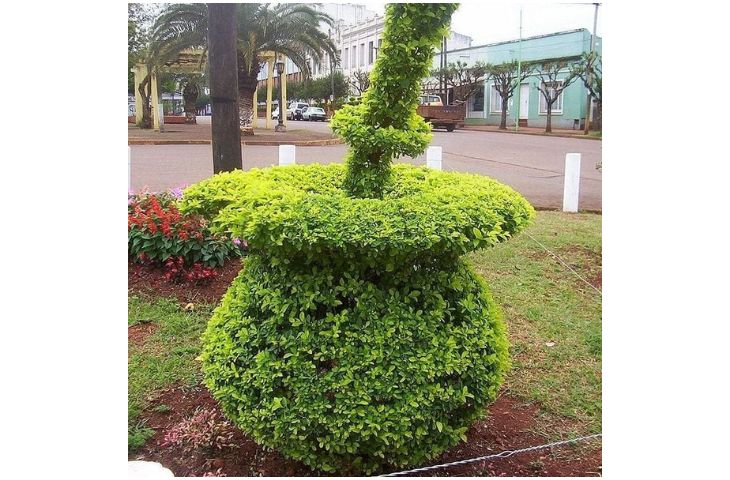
{"x": 151, "y": 281}
{"x": 509, "y": 426}
{"x": 136, "y": 334}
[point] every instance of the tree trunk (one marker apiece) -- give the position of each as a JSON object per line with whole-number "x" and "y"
{"x": 145, "y": 91}
{"x": 190, "y": 96}
{"x": 597, "y": 123}
{"x": 548, "y": 124}
{"x": 247, "y": 83}
{"x": 503, "y": 122}
{"x": 223, "y": 86}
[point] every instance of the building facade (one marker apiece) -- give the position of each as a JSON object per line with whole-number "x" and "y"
{"x": 357, "y": 34}
{"x": 484, "y": 107}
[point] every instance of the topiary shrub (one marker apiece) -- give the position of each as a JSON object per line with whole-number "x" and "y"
{"x": 357, "y": 338}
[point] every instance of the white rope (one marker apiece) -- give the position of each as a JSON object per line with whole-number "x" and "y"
{"x": 505, "y": 454}
{"x": 565, "y": 264}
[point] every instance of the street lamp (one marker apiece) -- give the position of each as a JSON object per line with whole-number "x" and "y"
{"x": 280, "y": 127}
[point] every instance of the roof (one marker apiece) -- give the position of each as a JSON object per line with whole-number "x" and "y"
{"x": 534, "y": 37}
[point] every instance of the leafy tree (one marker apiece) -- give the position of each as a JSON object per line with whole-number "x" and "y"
{"x": 506, "y": 81}
{"x": 589, "y": 67}
{"x": 464, "y": 79}
{"x": 360, "y": 81}
{"x": 551, "y": 87}
{"x": 136, "y": 38}
{"x": 289, "y": 29}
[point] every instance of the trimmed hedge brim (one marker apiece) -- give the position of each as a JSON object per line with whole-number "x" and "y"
{"x": 303, "y": 209}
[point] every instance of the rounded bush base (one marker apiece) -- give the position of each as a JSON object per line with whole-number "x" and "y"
{"x": 350, "y": 368}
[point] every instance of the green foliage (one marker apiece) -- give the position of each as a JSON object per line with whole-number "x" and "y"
{"x": 303, "y": 210}
{"x": 346, "y": 370}
{"x": 385, "y": 125}
{"x": 356, "y": 337}
{"x": 137, "y": 435}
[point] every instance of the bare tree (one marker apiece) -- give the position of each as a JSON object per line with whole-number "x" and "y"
{"x": 360, "y": 81}
{"x": 506, "y": 80}
{"x": 463, "y": 79}
{"x": 551, "y": 87}
{"x": 590, "y": 67}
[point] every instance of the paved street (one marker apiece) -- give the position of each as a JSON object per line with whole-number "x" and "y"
{"x": 531, "y": 164}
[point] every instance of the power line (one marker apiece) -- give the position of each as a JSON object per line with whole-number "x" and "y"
{"x": 505, "y": 454}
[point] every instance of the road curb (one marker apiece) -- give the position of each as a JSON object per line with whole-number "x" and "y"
{"x": 560, "y": 135}
{"x": 266, "y": 143}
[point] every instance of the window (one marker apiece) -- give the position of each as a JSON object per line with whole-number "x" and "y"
{"x": 495, "y": 101}
{"x": 346, "y": 58}
{"x": 478, "y": 101}
{"x": 370, "y": 53}
{"x": 354, "y": 56}
{"x": 558, "y": 105}
{"x": 362, "y": 54}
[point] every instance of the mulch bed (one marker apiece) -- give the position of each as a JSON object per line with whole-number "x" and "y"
{"x": 151, "y": 281}
{"x": 510, "y": 425}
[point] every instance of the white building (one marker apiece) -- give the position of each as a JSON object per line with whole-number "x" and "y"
{"x": 357, "y": 33}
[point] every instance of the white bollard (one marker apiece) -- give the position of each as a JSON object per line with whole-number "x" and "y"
{"x": 287, "y": 155}
{"x": 433, "y": 157}
{"x": 571, "y": 186}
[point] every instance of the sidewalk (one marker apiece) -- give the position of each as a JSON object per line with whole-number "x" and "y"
{"x": 200, "y": 134}
{"x": 533, "y": 131}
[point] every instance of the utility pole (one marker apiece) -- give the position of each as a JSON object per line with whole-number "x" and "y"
{"x": 442, "y": 80}
{"x": 588, "y": 73}
{"x": 519, "y": 74}
{"x": 446, "y": 60}
{"x": 226, "y": 135}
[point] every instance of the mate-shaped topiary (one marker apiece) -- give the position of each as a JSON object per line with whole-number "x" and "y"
{"x": 357, "y": 338}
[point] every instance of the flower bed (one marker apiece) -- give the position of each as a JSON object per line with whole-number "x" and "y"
{"x": 182, "y": 245}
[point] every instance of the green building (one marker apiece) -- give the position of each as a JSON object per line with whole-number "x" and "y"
{"x": 569, "y": 111}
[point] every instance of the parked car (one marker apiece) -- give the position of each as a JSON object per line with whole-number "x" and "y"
{"x": 313, "y": 113}
{"x": 275, "y": 114}
{"x": 294, "y": 112}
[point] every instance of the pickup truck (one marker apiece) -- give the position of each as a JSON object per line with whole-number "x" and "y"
{"x": 448, "y": 117}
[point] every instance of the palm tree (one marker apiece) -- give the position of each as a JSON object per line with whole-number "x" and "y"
{"x": 287, "y": 28}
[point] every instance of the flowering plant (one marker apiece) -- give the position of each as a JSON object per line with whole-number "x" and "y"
{"x": 205, "y": 430}
{"x": 182, "y": 244}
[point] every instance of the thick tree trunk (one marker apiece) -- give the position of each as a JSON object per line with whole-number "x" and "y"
{"x": 224, "y": 86}
{"x": 190, "y": 96}
{"x": 503, "y": 121}
{"x": 247, "y": 82}
{"x": 245, "y": 111}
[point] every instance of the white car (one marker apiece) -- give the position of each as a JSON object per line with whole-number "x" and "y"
{"x": 275, "y": 114}
{"x": 313, "y": 114}
{"x": 294, "y": 112}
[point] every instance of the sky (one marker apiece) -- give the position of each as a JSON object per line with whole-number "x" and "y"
{"x": 497, "y": 21}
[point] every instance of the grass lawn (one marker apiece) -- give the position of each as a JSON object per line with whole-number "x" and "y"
{"x": 165, "y": 358}
{"x": 554, "y": 322}
{"x": 545, "y": 304}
